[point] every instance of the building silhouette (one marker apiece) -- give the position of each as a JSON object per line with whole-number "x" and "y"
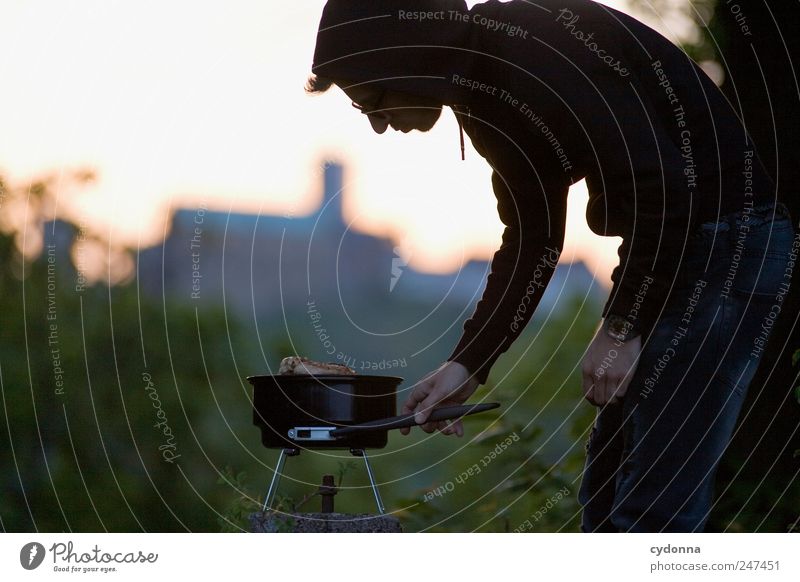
{"x": 264, "y": 265}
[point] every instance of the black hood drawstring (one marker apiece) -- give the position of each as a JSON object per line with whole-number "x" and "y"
{"x": 461, "y": 135}
{"x": 460, "y": 131}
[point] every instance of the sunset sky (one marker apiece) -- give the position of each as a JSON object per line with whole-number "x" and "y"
{"x": 177, "y": 104}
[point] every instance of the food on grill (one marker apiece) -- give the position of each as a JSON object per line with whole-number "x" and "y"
{"x": 297, "y": 365}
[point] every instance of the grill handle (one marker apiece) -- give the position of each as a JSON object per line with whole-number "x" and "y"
{"x": 406, "y": 420}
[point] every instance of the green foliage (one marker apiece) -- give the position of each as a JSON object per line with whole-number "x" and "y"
{"x": 242, "y": 504}
{"x": 538, "y": 383}
{"x": 702, "y": 39}
{"x": 345, "y": 467}
{"x": 124, "y": 412}
{"x": 119, "y": 410}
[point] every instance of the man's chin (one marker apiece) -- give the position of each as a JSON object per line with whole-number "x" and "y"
{"x": 406, "y": 129}
{"x": 427, "y": 126}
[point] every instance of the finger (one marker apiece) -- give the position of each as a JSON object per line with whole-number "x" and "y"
{"x": 612, "y": 389}
{"x": 418, "y": 394}
{"x": 607, "y": 387}
{"x": 588, "y": 387}
{"x": 587, "y": 380}
{"x": 590, "y": 395}
{"x": 453, "y": 427}
{"x": 623, "y": 386}
{"x": 620, "y": 386}
{"x": 599, "y": 393}
{"x": 613, "y": 395}
{"x": 426, "y": 406}
{"x": 430, "y": 427}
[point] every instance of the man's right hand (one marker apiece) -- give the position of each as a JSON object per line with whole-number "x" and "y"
{"x": 449, "y": 385}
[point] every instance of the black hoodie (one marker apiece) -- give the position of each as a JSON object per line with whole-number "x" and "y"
{"x": 550, "y": 93}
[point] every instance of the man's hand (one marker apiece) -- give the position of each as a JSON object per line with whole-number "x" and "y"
{"x": 450, "y": 385}
{"x": 608, "y": 367}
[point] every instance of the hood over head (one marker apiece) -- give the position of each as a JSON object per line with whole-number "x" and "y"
{"x": 412, "y": 46}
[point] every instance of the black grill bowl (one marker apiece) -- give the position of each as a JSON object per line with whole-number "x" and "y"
{"x": 283, "y": 402}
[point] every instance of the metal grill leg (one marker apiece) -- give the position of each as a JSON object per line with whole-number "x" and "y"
{"x": 276, "y": 476}
{"x": 378, "y": 501}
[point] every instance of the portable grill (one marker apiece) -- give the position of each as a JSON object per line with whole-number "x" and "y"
{"x": 296, "y": 412}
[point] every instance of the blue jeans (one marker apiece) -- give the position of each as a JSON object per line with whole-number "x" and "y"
{"x": 652, "y": 458}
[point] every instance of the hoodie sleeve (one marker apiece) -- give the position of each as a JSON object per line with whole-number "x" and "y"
{"x": 520, "y": 271}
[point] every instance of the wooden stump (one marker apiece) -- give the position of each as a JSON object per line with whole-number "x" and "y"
{"x": 273, "y": 522}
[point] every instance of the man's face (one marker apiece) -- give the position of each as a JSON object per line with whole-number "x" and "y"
{"x": 401, "y": 111}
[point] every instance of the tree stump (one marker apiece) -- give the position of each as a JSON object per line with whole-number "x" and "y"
{"x": 274, "y": 522}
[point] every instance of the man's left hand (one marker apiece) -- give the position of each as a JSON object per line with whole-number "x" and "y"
{"x": 608, "y": 367}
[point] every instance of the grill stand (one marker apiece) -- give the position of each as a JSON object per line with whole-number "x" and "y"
{"x": 378, "y": 500}
{"x": 276, "y": 477}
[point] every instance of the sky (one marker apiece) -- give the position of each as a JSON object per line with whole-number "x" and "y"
{"x": 186, "y": 104}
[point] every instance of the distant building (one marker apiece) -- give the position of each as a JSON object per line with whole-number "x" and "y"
{"x": 263, "y": 264}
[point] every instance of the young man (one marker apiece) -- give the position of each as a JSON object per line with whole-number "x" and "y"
{"x": 551, "y": 93}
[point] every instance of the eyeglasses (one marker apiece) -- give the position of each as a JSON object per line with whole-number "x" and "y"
{"x": 378, "y": 119}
